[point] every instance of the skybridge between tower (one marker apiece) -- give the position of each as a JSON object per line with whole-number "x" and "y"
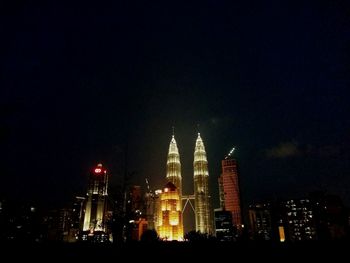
{"x": 187, "y": 199}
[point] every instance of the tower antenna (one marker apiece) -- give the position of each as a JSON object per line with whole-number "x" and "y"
{"x": 230, "y": 153}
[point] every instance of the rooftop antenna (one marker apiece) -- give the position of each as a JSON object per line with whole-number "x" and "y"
{"x": 230, "y": 153}
{"x": 147, "y": 183}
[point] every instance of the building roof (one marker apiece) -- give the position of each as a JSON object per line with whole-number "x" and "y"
{"x": 170, "y": 186}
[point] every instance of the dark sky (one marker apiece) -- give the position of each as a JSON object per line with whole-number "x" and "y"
{"x": 79, "y": 81}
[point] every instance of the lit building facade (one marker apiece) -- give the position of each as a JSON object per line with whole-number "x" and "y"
{"x": 223, "y": 225}
{"x": 173, "y": 166}
{"x": 169, "y": 220}
{"x": 229, "y": 190}
{"x": 300, "y": 222}
{"x": 260, "y": 220}
{"x": 96, "y": 200}
{"x": 204, "y": 223}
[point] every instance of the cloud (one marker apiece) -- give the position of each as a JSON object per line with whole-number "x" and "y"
{"x": 284, "y": 150}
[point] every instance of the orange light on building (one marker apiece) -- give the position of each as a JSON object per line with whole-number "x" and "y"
{"x": 281, "y": 233}
{"x": 170, "y": 226}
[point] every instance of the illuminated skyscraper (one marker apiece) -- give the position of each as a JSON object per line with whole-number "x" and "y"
{"x": 169, "y": 221}
{"x": 173, "y": 166}
{"x": 229, "y": 190}
{"x": 204, "y": 222}
{"x": 96, "y": 200}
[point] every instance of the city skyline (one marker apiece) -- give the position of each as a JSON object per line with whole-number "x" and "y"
{"x": 88, "y": 84}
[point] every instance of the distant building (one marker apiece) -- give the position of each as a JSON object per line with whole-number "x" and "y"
{"x": 299, "y": 220}
{"x": 223, "y": 225}
{"x": 330, "y": 216}
{"x": 169, "y": 221}
{"x": 229, "y": 190}
{"x": 319, "y": 217}
{"x": 134, "y": 201}
{"x": 20, "y": 222}
{"x": 94, "y": 224}
{"x": 139, "y": 227}
{"x": 152, "y": 202}
{"x": 76, "y": 217}
{"x": 260, "y": 221}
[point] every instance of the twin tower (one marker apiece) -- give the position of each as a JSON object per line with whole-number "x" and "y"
{"x": 203, "y": 213}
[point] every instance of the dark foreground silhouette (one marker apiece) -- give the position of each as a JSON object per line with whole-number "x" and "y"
{"x": 179, "y": 251}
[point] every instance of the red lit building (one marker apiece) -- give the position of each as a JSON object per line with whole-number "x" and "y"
{"x": 229, "y": 190}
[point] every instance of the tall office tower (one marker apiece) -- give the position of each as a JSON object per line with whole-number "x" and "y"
{"x": 223, "y": 225}
{"x": 204, "y": 222}
{"x": 76, "y": 219}
{"x": 230, "y": 190}
{"x": 300, "y": 223}
{"x": 96, "y": 200}
{"x": 173, "y": 166}
{"x": 169, "y": 225}
{"x": 261, "y": 223}
{"x": 152, "y": 204}
{"x": 134, "y": 201}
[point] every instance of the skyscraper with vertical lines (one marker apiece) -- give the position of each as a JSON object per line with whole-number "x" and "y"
{"x": 204, "y": 222}
{"x": 96, "y": 200}
{"x": 169, "y": 223}
{"x": 173, "y": 166}
{"x": 230, "y": 190}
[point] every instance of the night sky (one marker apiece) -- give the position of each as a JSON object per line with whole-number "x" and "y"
{"x": 82, "y": 84}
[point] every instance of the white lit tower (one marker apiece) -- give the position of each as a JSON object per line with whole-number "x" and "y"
{"x": 173, "y": 166}
{"x": 204, "y": 222}
{"x": 96, "y": 201}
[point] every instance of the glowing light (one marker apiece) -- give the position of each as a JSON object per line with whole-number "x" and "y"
{"x": 169, "y": 225}
{"x": 98, "y": 170}
{"x": 281, "y": 233}
{"x": 201, "y": 177}
{"x": 230, "y": 153}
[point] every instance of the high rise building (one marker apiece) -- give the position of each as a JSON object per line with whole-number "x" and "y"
{"x": 169, "y": 221}
{"x": 204, "y": 223}
{"x": 229, "y": 190}
{"x": 152, "y": 200}
{"x": 223, "y": 225}
{"x": 260, "y": 220}
{"x": 96, "y": 200}
{"x": 173, "y": 166}
{"x": 173, "y": 175}
{"x": 300, "y": 223}
{"x": 134, "y": 201}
